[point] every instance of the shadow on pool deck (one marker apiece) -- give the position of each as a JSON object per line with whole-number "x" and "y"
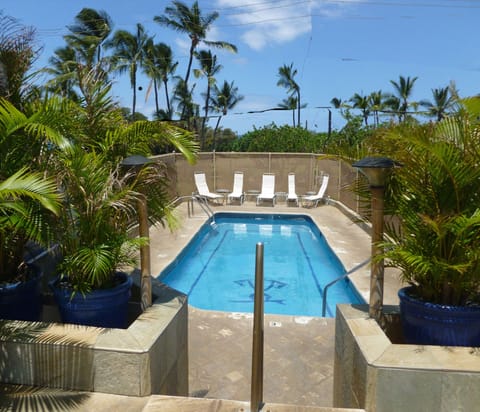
{"x": 299, "y": 351}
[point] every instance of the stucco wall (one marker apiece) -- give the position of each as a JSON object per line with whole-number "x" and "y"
{"x": 220, "y": 167}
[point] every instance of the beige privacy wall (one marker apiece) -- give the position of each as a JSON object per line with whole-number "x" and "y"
{"x": 220, "y": 167}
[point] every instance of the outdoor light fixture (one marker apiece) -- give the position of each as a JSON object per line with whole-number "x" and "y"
{"x": 376, "y": 169}
{"x": 136, "y": 162}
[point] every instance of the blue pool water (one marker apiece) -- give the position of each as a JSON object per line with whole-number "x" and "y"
{"x": 217, "y": 269}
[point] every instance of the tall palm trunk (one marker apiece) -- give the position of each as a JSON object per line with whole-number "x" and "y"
{"x": 204, "y": 121}
{"x": 298, "y": 107}
{"x": 155, "y": 91}
{"x": 167, "y": 99}
{"x": 134, "y": 86}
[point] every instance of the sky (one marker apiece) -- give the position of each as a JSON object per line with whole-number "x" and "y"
{"x": 338, "y": 47}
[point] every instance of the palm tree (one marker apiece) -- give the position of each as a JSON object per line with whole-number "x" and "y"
{"x": 167, "y": 67}
{"x": 290, "y": 103}
{"x": 25, "y": 147}
{"x": 89, "y": 32}
{"x": 442, "y": 102}
{"x": 152, "y": 70}
{"x": 209, "y": 69}
{"x": 128, "y": 55}
{"x": 159, "y": 66}
{"x": 337, "y": 103}
{"x": 17, "y": 55}
{"x": 187, "y": 20}
{"x": 393, "y": 103}
{"x": 183, "y": 96}
{"x": 377, "y": 104}
{"x": 224, "y": 99}
{"x": 64, "y": 71}
{"x": 363, "y": 104}
{"x": 403, "y": 89}
{"x": 286, "y": 79}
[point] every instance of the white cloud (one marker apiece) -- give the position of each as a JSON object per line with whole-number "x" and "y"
{"x": 277, "y": 22}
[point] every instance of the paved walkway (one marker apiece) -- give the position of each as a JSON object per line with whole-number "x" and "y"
{"x": 298, "y": 357}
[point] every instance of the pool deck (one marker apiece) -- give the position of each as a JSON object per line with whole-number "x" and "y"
{"x": 299, "y": 351}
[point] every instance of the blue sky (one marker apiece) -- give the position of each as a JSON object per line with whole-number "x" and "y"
{"x": 338, "y": 47}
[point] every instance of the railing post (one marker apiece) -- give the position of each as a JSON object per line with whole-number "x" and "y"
{"x": 256, "y": 399}
{"x": 146, "y": 280}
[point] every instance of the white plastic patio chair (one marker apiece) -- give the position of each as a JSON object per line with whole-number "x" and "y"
{"x": 268, "y": 188}
{"x": 313, "y": 200}
{"x": 203, "y": 190}
{"x": 237, "y": 192}
{"x": 292, "y": 195}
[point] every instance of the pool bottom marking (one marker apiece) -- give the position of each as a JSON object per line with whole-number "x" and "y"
{"x": 271, "y": 284}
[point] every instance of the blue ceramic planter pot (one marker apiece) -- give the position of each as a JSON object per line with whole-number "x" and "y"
{"x": 106, "y": 308}
{"x": 22, "y": 300}
{"x": 428, "y": 323}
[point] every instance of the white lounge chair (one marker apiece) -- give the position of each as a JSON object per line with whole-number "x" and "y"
{"x": 202, "y": 188}
{"x": 268, "y": 188}
{"x": 314, "y": 199}
{"x": 292, "y": 195}
{"x": 237, "y": 192}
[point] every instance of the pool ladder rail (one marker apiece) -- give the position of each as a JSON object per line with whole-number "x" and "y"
{"x": 200, "y": 200}
{"x": 333, "y": 282}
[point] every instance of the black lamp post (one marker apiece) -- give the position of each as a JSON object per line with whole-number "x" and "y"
{"x": 376, "y": 169}
{"x": 135, "y": 163}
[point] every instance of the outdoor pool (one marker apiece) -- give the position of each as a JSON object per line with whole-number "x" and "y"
{"x": 217, "y": 268}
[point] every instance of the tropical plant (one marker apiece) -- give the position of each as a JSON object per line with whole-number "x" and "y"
{"x": 63, "y": 68}
{"x": 158, "y": 65}
{"x": 128, "y": 55}
{"x": 286, "y": 79}
{"x": 286, "y": 139}
{"x": 403, "y": 90}
{"x": 436, "y": 196}
{"x": 377, "y": 104}
{"x": 25, "y": 194}
{"x": 442, "y": 102}
{"x": 363, "y": 104}
{"x": 100, "y": 198}
{"x": 186, "y": 106}
{"x": 99, "y": 206}
{"x": 22, "y": 197}
{"x": 17, "y": 55}
{"x": 88, "y": 34}
{"x": 290, "y": 103}
{"x": 191, "y": 21}
{"x": 224, "y": 98}
{"x": 209, "y": 69}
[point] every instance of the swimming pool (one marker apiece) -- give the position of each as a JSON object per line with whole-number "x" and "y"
{"x": 217, "y": 268}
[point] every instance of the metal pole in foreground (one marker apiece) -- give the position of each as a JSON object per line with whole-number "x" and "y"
{"x": 134, "y": 163}
{"x": 146, "y": 280}
{"x": 377, "y": 267}
{"x": 256, "y": 399}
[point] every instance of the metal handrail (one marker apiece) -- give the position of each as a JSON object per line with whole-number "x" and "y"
{"x": 345, "y": 275}
{"x": 204, "y": 205}
{"x": 200, "y": 200}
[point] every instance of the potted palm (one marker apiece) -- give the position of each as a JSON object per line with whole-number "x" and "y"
{"x": 100, "y": 201}
{"x": 27, "y": 201}
{"x": 436, "y": 240}
{"x": 22, "y": 197}
{"x": 95, "y": 238}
